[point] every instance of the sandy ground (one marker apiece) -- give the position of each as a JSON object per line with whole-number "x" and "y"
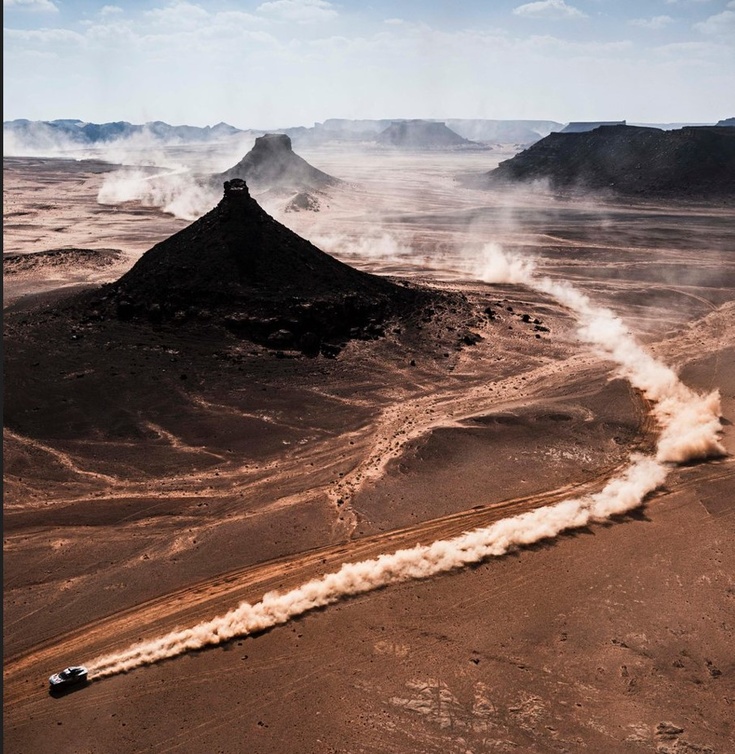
{"x": 153, "y": 480}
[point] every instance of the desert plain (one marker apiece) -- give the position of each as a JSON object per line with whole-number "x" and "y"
{"x": 157, "y": 476}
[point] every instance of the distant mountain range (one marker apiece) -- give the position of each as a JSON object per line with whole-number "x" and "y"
{"x": 477, "y": 130}
{"x": 76, "y": 132}
{"x": 37, "y": 136}
{"x": 403, "y": 133}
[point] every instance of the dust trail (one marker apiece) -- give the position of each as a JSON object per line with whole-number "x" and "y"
{"x": 689, "y": 422}
{"x": 689, "y": 426}
{"x": 175, "y": 191}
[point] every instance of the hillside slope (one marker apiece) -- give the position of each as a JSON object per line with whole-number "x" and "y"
{"x": 629, "y": 160}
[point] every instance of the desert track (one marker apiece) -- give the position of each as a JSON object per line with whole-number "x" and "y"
{"x": 24, "y": 674}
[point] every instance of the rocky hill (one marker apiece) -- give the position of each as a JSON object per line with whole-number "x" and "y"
{"x": 421, "y": 134}
{"x": 688, "y": 162}
{"x": 238, "y": 266}
{"x": 18, "y": 264}
{"x": 272, "y": 164}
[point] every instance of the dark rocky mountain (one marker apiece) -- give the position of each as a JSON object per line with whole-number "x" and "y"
{"x": 728, "y": 122}
{"x": 238, "y": 266}
{"x": 421, "y": 134}
{"x": 688, "y": 162}
{"x": 272, "y": 164}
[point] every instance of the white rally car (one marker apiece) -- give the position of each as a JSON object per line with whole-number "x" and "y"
{"x": 74, "y": 675}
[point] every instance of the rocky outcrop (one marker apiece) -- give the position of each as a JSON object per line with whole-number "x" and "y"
{"x": 16, "y": 264}
{"x": 690, "y": 162}
{"x": 240, "y": 267}
{"x": 421, "y": 134}
{"x": 272, "y": 164}
{"x": 303, "y": 202}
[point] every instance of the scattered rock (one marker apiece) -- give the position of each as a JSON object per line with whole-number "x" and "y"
{"x": 303, "y": 202}
{"x": 280, "y": 339}
{"x": 668, "y": 730}
{"x": 125, "y": 309}
{"x": 471, "y": 338}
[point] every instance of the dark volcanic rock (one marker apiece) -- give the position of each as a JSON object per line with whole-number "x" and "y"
{"x": 272, "y": 163}
{"x": 260, "y": 280}
{"x": 687, "y": 162}
{"x": 14, "y": 264}
{"x": 421, "y": 134}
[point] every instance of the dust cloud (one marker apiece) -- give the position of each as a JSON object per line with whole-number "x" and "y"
{"x": 689, "y": 422}
{"x": 178, "y": 192}
{"x": 689, "y": 429}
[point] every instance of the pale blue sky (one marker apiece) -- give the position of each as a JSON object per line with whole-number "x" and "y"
{"x": 279, "y": 63}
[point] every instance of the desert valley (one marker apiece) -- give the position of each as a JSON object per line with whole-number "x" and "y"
{"x": 347, "y": 447}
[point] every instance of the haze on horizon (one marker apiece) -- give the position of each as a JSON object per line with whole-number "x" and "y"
{"x": 280, "y": 63}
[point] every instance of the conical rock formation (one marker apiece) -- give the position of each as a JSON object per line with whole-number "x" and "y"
{"x": 240, "y": 266}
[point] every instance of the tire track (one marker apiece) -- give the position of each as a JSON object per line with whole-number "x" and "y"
{"x": 21, "y": 673}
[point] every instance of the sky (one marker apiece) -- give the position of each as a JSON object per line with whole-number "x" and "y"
{"x": 283, "y": 63}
